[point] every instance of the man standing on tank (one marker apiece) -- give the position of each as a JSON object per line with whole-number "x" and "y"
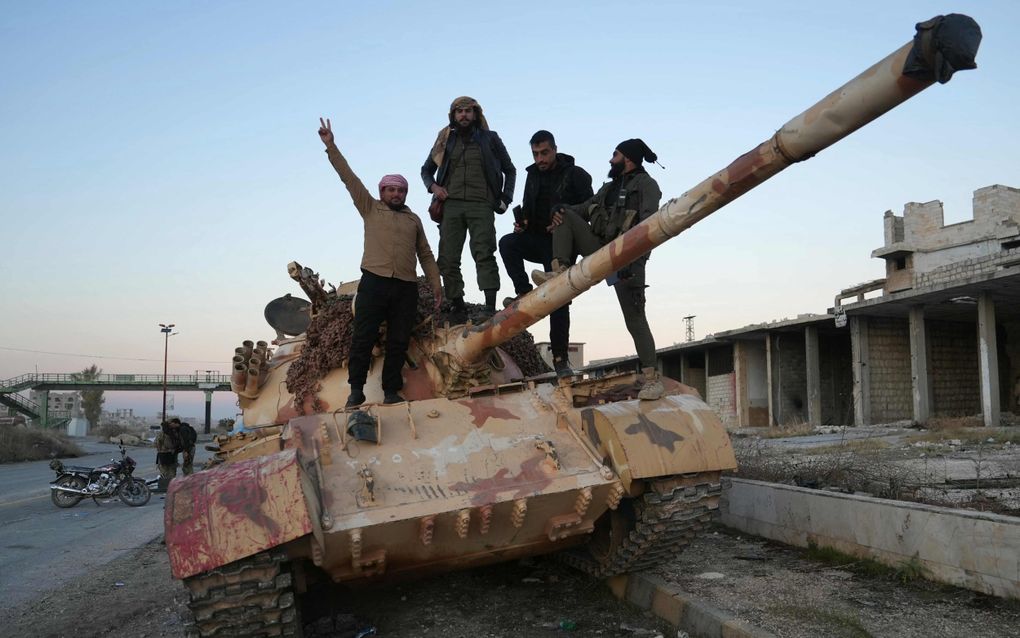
{"x": 388, "y": 291}
{"x": 475, "y": 178}
{"x": 631, "y": 196}
{"x": 553, "y": 181}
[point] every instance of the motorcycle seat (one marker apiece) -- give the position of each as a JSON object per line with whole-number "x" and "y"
{"x": 77, "y": 469}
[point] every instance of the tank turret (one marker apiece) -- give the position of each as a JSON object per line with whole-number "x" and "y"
{"x": 485, "y": 461}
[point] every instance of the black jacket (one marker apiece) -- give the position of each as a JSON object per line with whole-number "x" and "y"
{"x": 572, "y": 185}
{"x": 500, "y": 173}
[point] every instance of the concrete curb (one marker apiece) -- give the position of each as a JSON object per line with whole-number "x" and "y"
{"x": 682, "y": 610}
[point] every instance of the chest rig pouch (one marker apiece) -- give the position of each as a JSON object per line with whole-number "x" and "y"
{"x": 609, "y": 224}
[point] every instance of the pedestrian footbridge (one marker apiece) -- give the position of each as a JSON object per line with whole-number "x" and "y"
{"x": 207, "y": 382}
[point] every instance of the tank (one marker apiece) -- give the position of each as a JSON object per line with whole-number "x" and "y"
{"x": 486, "y": 461}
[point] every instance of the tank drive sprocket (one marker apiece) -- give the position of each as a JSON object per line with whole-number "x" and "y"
{"x": 248, "y": 597}
{"x": 651, "y": 528}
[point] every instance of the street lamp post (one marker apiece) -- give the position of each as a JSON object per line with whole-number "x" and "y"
{"x": 165, "y": 329}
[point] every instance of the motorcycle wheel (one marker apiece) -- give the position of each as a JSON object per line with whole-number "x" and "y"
{"x": 135, "y": 492}
{"x": 66, "y": 499}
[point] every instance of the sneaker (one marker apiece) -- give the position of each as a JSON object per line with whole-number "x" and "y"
{"x": 509, "y": 301}
{"x": 541, "y": 276}
{"x": 356, "y": 398}
{"x": 652, "y": 389}
{"x": 393, "y": 397}
{"x": 562, "y": 367}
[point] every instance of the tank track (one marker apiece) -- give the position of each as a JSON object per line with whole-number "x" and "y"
{"x": 248, "y": 597}
{"x": 659, "y": 525}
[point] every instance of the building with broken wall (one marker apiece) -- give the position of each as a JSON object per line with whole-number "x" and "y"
{"x": 939, "y": 336}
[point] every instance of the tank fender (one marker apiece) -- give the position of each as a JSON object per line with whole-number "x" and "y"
{"x": 238, "y": 509}
{"x": 678, "y": 434}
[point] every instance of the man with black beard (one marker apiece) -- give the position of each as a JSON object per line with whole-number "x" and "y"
{"x": 630, "y": 197}
{"x": 475, "y": 179}
{"x": 553, "y": 180}
{"x": 388, "y": 290}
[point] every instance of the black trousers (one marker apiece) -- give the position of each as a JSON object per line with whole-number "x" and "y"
{"x": 379, "y": 299}
{"x": 517, "y": 248}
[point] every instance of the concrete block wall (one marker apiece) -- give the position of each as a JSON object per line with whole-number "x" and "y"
{"x": 889, "y": 369}
{"x": 789, "y": 378}
{"x": 995, "y": 203}
{"x": 975, "y": 550}
{"x": 892, "y": 227}
{"x": 953, "y": 361}
{"x": 695, "y": 377}
{"x": 942, "y": 254}
{"x": 722, "y": 398}
{"x": 988, "y": 261}
{"x": 923, "y": 223}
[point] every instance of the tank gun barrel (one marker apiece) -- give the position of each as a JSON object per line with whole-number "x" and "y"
{"x": 934, "y": 54}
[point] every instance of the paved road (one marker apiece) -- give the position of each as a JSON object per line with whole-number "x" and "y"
{"x": 43, "y": 546}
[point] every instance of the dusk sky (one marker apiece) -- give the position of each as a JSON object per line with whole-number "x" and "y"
{"x": 160, "y": 161}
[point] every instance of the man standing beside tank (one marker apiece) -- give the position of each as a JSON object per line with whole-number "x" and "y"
{"x": 188, "y": 438}
{"x": 168, "y": 444}
{"x": 475, "y": 179}
{"x": 553, "y": 180}
{"x": 388, "y": 291}
{"x": 631, "y": 196}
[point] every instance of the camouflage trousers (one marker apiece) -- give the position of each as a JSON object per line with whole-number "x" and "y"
{"x": 166, "y": 474}
{"x": 574, "y": 238}
{"x": 189, "y": 461}
{"x": 461, "y": 219}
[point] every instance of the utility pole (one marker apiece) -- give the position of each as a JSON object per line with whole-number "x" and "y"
{"x": 165, "y": 329}
{"x": 689, "y": 323}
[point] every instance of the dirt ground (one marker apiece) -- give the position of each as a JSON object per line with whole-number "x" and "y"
{"x": 135, "y": 596}
{"x": 771, "y": 586}
{"x": 795, "y": 594}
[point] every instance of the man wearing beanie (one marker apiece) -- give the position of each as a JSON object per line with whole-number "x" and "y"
{"x": 630, "y": 197}
{"x": 475, "y": 179}
{"x": 388, "y": 291}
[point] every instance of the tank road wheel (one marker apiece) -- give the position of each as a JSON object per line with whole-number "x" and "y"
{"x": 249, "y": 597}
{"x": 649, "y": 529}
{"x": 67, "y": 499}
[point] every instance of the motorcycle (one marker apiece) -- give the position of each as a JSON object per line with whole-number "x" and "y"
{"x": 74, "y": 483}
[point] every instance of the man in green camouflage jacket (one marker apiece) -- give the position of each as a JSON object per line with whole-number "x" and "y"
{"x": 631, "y": 196}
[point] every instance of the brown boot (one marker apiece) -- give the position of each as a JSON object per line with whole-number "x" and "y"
{"x": 652, "y": 390}
{"x": 542, "y": 276}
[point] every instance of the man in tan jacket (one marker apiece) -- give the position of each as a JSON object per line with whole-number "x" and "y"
{"x": 388, "y": 291}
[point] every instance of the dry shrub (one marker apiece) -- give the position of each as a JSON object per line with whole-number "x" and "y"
{"x": 855, "y": 445}
{"x": 974, "y": 436}
{"x": 30, "y": 444}
{"x": 841, "y": 468}
{"x": 791, "y": 429}
{"x": 946, "y": 423}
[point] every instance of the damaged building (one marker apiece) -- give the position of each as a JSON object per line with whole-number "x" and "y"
{"x": 938, "y": 336}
